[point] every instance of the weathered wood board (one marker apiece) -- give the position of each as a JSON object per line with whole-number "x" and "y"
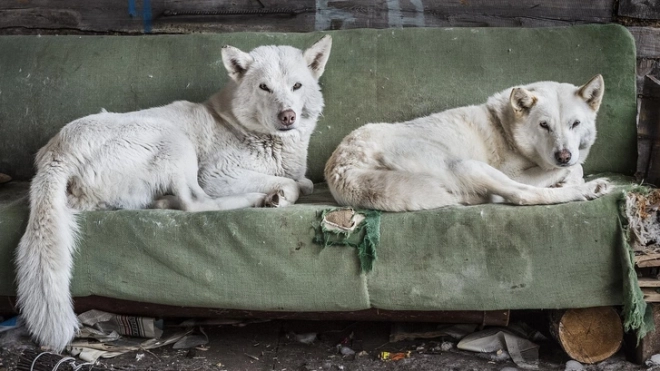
{"x": 644, "y": 9}
{"x": 182, "y": 16}
{"x": 648, "y": 135}
{"x": 646, "y": 66}
{"x": 647, "y": 40}
{"x": 173, "y": 16}
{"x": 649, "y": 345}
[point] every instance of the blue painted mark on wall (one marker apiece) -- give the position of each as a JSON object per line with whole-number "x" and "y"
{"x": 146, "y": 15}
{"x": 131, "y": 8}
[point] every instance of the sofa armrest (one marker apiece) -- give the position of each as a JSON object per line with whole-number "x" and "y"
{"x": 648, "y": 132}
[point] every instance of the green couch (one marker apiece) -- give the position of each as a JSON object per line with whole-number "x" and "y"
{"x": 488, "y": 257}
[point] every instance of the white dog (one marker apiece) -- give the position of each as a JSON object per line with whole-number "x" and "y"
{"x": 246, "y": 146}
{"x": 522, "y": 141}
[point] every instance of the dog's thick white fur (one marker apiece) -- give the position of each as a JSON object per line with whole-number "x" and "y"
{"x": 525, "y": 145}
{"x": 246, "y": 146}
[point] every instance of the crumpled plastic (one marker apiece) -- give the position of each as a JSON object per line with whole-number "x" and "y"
{"x": 523, "y": 352}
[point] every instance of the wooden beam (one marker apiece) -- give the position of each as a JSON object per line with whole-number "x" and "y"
{"x": 647, "y": 40}
{"x": 135, "y": 308}
{"x": 651, "y": 295}
{"x": 70, "y": 15}
{"x": 648, "y": 135}
{"x": 179, "y": 16}
{"x": 649, "y": 345}
{"x": 649, "y": 282}
{"x": 643, "y": 9}
{"x": 646, "y": 261}
{"x": 646, "y": 66}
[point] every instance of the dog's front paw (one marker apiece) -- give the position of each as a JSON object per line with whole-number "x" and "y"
{"x": 306, "y": 186}
{"x": 573, "y": 177}
{"x": 596, "y": 188}
{"x": 275, "y": 199}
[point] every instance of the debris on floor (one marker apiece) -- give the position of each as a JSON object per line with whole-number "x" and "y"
{"x": 273, "y": 346}
{"x": 387, "y": 356}
{"x": 343, "y": 347}
{"x": 306, "y": 338}
{"x": 107, "y": 335}
{"x": 192, "y": 341}
{"x": 574, "y": 365}
{"x": 523, "y": 352}
{"x": 446, "y": 346}
{"x": 513, "y": 342}
{"x": 96, "y": 321}
{"x": 653, "y": 361}
{"x": 344, "y": 350}
{"x": 32, "y": 360}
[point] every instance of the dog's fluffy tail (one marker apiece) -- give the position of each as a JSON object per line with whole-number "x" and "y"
{"x": 44, "y": 258}
{"x": 388, "y": 190}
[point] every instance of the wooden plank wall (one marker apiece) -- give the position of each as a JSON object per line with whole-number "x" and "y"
{"x": 175, "y": 16}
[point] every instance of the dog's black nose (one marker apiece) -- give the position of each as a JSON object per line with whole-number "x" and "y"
{"x": 287, "y": 117}
{"x": 563, "y": 156}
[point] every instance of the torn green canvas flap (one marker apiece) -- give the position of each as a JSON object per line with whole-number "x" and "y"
{"x": 349, "y": 227}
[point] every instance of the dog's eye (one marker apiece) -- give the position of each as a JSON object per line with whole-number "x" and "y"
{"x": 264, "y": 87}
{"x": 297, "y": 86}
{"x": 544, "y": 124}
{"x": 575, "y": 124}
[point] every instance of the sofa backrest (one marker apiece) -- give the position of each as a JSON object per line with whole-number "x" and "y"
{"x": 372, "y": 76}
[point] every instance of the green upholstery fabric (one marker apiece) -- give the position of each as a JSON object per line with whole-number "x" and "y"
{"x": 497, "y": 257}
{"x": 372, "y": 75}
{"x": 479, "y": 257}
{"x": 483, "y": 257}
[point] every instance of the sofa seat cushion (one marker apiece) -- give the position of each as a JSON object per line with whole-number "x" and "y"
{"x": 483, "y": 257}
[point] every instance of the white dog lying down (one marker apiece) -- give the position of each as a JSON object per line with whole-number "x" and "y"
{"x": 246, "y": 146}
{"x": 516, "y": 145}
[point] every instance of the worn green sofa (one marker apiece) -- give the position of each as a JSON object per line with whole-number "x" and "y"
{"x": 476, "y": 258}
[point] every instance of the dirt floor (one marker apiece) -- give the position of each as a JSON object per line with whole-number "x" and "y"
{"x": 273, "y": 346}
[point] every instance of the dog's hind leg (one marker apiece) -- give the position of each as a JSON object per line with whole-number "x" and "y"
{"x": 278, "y": 191}
{"x": 393, "y": 190}
{"x": 189, "y": 196}
{"x": 483, "y": 178}
{"x": 181, "y": 180}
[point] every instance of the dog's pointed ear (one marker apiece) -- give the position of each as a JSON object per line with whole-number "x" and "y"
{"x": 592, "y": 92}
{"x": 236, "y": 62}
{"x": 317, "y": 56}
{"x": 522, "y": 100}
